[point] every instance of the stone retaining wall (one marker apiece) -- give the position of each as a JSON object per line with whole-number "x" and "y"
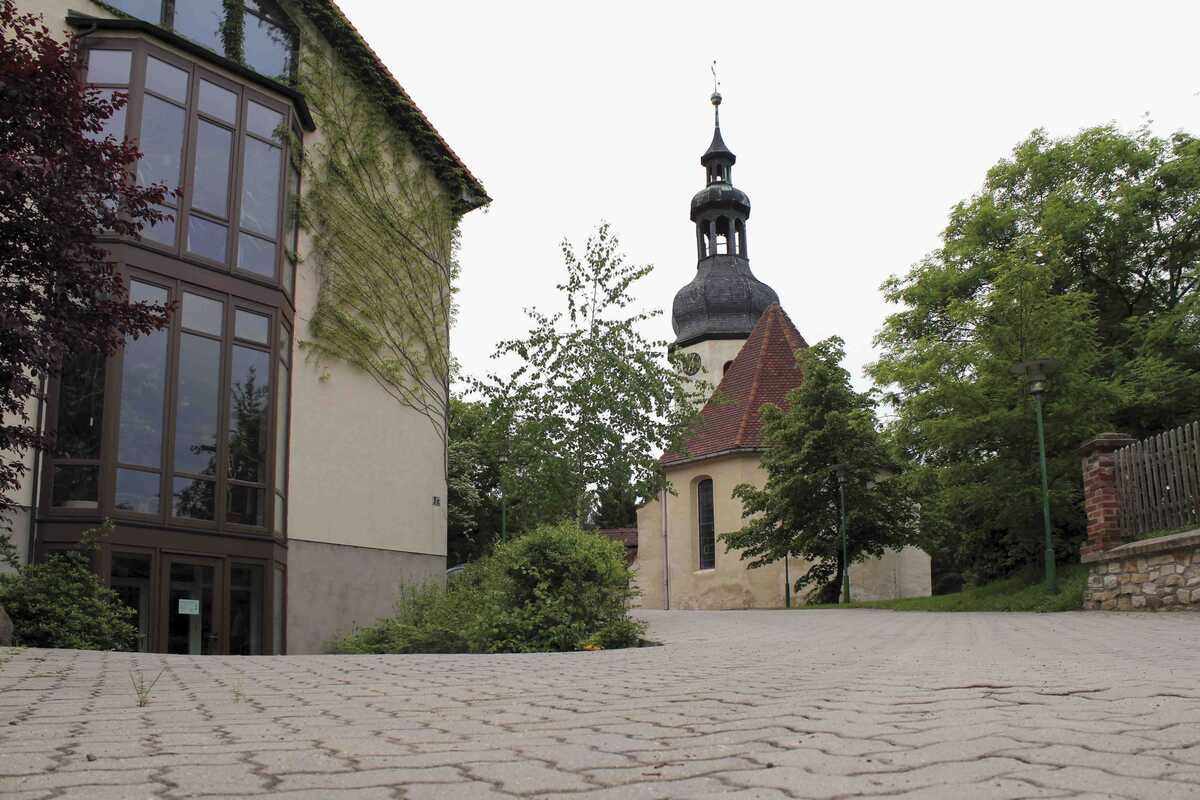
{"x": 1154, "y": 575}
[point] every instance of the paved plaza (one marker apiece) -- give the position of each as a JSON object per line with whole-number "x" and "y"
{"x": 754, "y": 704}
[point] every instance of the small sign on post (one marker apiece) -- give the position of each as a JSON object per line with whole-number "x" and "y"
{"x": 189, "y": 607}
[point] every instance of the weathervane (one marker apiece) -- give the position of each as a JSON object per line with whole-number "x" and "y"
{"x": 716, "y": 95}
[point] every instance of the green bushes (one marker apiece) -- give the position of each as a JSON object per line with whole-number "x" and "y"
{"x": 62, "y": 603}
{"x": 555, "y": 588}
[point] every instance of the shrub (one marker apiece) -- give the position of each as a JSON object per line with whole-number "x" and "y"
{"x": 62, "y": 603}
{"x": 555, "y": 588}
{"x": 429, "y": 618}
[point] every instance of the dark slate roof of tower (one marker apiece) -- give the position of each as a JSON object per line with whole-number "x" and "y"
{"x": 717, "y": 148}
{"x": 764, "y": 371}
{"x": 724, "y": 299}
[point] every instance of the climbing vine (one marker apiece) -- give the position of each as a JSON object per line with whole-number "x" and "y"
{"x": 383, "y": 236}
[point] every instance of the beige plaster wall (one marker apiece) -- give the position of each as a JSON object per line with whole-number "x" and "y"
{"x": 895, "y": 574}
{"x": 731, "y": 584}
{"x": 714, "y": 354}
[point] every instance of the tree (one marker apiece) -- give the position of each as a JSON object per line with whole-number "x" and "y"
{"x": 1083, "y": 249}
{"x": 64, "y": 184}
{"x": 797, "y": 513}
{"x": 616, "y": 503}
{"x": 499, "y": 479}
{"x": 593, "y": 399}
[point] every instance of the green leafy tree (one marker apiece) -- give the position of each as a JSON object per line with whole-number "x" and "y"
{"x": 62, "y": 602}
{"x": 499, "y": 479}
{"x": 1085, "y": 250}
{"x": 797, "y": 513}
{"x": 592, "y": 397}
{"x": 616, "y": 503}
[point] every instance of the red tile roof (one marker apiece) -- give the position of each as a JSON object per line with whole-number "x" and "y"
{"x": 764, "y": 371}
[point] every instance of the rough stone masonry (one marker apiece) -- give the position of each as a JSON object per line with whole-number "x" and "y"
{"x": 1161, "y": 574}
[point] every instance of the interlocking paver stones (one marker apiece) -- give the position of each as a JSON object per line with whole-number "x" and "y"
{"x": 748, "y": 705}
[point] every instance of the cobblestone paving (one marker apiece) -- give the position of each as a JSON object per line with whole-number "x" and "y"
{"x": 738, "y": 704}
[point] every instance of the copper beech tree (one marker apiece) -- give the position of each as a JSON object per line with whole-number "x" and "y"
{"x": 64, "y": 183}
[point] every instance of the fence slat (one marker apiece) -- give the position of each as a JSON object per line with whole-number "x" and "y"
{"x": 1158, "y": 481}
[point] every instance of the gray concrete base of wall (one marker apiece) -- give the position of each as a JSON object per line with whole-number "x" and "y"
{"x": 333, "y": 587}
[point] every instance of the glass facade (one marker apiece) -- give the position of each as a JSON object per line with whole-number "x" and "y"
{"x": 253, "y": 32}
{"x": 181, "y": 437}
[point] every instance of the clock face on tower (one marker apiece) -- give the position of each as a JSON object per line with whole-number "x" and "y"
{"x": 690, "y": 363}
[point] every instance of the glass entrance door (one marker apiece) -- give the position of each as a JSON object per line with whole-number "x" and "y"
{"x": 193, "y": 606}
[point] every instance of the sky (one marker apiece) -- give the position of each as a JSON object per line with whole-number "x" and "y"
{"x": 857, "y": 127}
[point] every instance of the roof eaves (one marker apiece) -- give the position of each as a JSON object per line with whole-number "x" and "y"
{"x": 370, "y": 69}
{"x": 729, "y": 451}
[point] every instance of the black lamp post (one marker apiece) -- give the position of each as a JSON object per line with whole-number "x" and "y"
{"x": 1035, "y": 373}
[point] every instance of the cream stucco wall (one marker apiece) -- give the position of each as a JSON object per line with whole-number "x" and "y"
{"x": 714, "y": 355}
{"x": 731, "y": 584}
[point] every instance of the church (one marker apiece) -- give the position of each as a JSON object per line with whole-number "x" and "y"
{"x": 735, "y": 336}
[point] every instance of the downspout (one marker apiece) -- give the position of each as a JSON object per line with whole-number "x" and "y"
{"x": 666, "y": 552}
{"x": 37, "y": 473}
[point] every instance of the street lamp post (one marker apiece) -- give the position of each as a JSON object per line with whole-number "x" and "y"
{"x": 841, "y": 469}
{"x": 1035, "y": 373}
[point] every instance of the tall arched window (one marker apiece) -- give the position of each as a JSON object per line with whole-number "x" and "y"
{"x": 705, "y": 517}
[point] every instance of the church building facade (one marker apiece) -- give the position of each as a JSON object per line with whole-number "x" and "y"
{"x": 736, "y": 337}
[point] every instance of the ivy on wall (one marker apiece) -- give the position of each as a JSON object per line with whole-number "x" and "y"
{"x": 362, "y": 64}
{"x": 383, "y": 235}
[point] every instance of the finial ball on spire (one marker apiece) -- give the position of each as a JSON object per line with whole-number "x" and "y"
{"x": 716, "y": 98}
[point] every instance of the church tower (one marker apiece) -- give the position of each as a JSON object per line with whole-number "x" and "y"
{"x": 713, "y": 315}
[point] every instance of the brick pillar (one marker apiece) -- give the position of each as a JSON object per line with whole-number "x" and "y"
{"x": 1101, "y": 499}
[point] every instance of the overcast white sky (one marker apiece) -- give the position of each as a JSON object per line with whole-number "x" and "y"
{"x": 856, "y": 125}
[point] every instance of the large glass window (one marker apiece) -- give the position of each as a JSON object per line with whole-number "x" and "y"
{"x": 706, "y": 517}
{"x": 225, "y": 148}
{"x": 247, "y": 604}
{"x": 282, "y": 396}
{"x": 249, "y": 412}
{"x": 130, "y": 579}
{"x": 197, "y": 411}
{"x": 110, "y": 71}
{"x": 252, "y": 32}
{"x": 80, "y": 421}
{"x": 141, "y": 418}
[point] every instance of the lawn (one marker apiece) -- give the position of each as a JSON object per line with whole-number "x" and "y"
{"x": 1017, "y": 593}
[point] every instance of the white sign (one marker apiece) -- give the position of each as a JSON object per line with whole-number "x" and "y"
{"x": 189, "y": 607}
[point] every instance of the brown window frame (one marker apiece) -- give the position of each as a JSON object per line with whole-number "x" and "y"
{"x": 108, "y": 460}
{"x": 245, "y": 91}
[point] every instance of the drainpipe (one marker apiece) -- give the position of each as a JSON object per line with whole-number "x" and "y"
{"x": 37, "y": 473}
{"x": 666, "y": 552}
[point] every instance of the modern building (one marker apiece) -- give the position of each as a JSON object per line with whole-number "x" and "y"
{"x": 262, "y": 503}
{"x": 731, "y": 328}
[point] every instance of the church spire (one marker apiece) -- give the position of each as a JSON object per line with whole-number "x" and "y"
{"x": 724, "y": 300}
{"x": 718, "y": 159}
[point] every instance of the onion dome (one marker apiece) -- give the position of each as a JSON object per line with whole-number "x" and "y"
{"x": 724, "y": 300}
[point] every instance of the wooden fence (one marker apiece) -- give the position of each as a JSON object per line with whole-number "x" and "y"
{"x": 1158, "y": 481}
